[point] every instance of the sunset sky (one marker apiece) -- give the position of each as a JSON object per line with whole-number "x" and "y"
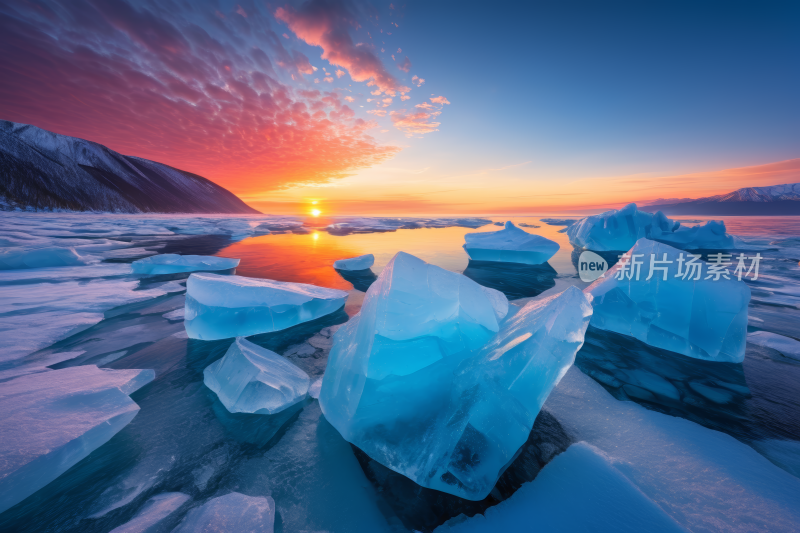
{"x": 421, "y": 107}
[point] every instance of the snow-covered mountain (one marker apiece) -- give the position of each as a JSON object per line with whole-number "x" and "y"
{"x": 773, "y": 200}
{"x": 43, "y": 170}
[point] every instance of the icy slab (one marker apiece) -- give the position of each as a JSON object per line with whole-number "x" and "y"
{"x": 620, "y": 229}
{"x": 705, "y": 480}
{"x": 220, "y": 307}
{"x": 559, "y": 221}
{"x": 704, "y": 319}
{"x": 252, "y": 379}
{"x": 510, "y": 245}
{"x": 174, "y": 264}
{"x": 313, "y": 390}
{"x": 362, "y": 262}
{"x": 424, "y": 378}
{"x": 783, "y": 453}
{"x": 608, "y": 501}
{"x": 156, "y": 509}
{"x": 785, "y": 345}
{"x": 348, "y": 225}
{"x": 52, "y": 420}
{"x": 50, "y": 256}
{"x": 229, "y": 513}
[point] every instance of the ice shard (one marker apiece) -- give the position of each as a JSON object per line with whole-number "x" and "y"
{"x": 50, "y": 256}
{"x": 361, "y": 262}
{"x": 617, "y": 230}
{"x": 676, "y": 309}
{"x": 510, "y": 245}
{"x": 252, "y": 379}
{"x": 221, "y": 307}
{"x": 174, "y": 264}
{"x": 229, "y": 513}
{"x": 426, "y": 382}
{"x": 150, "y": 517}
{"x": 51, "y": 420}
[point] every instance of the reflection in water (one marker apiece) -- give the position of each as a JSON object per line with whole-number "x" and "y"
{"x": 361, "y": 279}
{"x": 513, "y": 279}
{"x": 253, "y": 428}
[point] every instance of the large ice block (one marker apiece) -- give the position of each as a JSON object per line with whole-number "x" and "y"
{"x": 617, "y": 230}
{"x": 220, "y": 307}
{"x": 50, "y": 256}
{"x": 510, "y": 245}
{"x": 174, "y": 264}
{"x": 52, "y": 420}
{"x": 252, "y": 379}
{"x": 229, "y": 513}
{"x": 701, "y": 318}
{"x": 361, "y": 262}
{"x": 427, "y": 390}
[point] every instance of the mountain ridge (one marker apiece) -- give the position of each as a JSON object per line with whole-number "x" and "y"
{"x": 44, "y": 171}
{"x": 777, "y": 200}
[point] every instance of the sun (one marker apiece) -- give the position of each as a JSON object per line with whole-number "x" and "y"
{"x": 316, "y": 212}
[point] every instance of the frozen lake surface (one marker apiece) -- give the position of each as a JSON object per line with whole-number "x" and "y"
{"x": 736, "y": 423}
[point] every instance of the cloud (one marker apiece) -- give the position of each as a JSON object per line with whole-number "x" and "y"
{"x": 424, "y": 105}
{"x": 327, "y": 24}
{"x": 405, "y": 66}
{"x": 405, "y": 97}
{"x": 440, "y": 100}
{"x": 399, "y": 50}
{"x": 339, "y": 73}
{"x": 377, "y": 112}
{"x": 329, "y": 79}
{"x": 414, "y": 123}
{"x": 182, "y": 86}
{"x": 349, "y": 99}
{"x": 416, "y": 80}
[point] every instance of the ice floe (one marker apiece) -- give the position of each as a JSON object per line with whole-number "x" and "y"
{"x": 785, "y": 345}
{"x": 252, "y": 379}
{"x": 229, "y": 513}
{"x": 51, "y": 420}
{"x": 174, "y": 264}
{"x": 150, "y": 516}
{"x": 220, "y": 307}
{"x": 39, "y": 258}
{"x": 701, "y": 318}
{"x": 609, "y": 501}
{"x": 362, "y": 262}
{"x": 511, "y": 245}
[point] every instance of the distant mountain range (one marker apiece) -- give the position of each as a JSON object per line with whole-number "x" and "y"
{"x": 42, "y": 170}
{"x": 774, "y": 200}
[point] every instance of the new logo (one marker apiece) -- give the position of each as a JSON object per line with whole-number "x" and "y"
{"x": 591, "y": 266}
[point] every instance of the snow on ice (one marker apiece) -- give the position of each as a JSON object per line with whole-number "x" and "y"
{"x": 362, "y": 262}
{"x": 510, "y": 245}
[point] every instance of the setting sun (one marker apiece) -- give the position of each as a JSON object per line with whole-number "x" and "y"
{"x": 316, "y": 212}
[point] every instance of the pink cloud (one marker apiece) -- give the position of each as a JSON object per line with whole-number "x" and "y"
{"x": 241, "y": 11}
{"x": 440, "y": 100}
{"x": 424, "y": 105}
{"x": 405, "y": 97}
{"x": 417, "y": 123}
{"x": 339, "y": 73}
{"x": 405, "y": 66}
{"x": 207, "y": 102}
{"x": 416, "y": 80}
{"x": 329, "y": 79}
{"x": 327, "y": 24}
{"x": 349, "y": 99}
{"x": 377, "y": 112}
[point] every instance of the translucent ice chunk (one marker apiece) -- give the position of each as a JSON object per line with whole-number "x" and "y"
{"x": 252, "y": 379}
{"x": 421, "y": 383}
{"x": 52, "y": 420}
{"x": 620, "y": 229}
{"x": 155, "y": 510}
{"x": 174, "y": 263}
{"x": 704, "y": 319}
{"x": 52, "y": 256}
{"x": 220, "y": 307}
{"x": 361, "y": 262}
{"x": 229, "y": 513}
{"x": 510, "y": 245}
